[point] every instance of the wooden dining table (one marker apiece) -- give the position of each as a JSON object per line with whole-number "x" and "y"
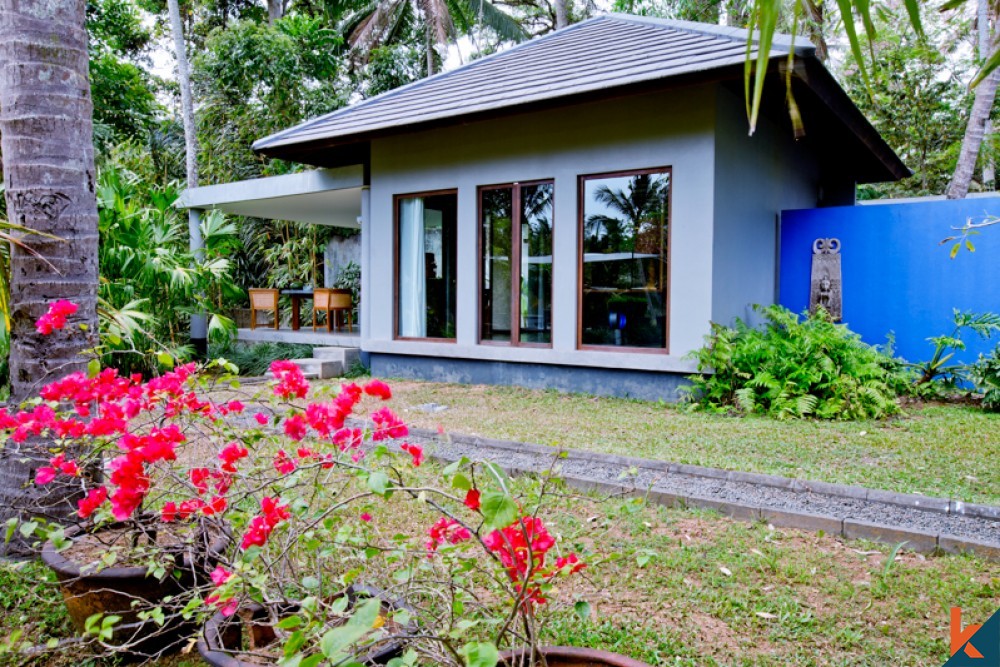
{"x": 297, "y": 295}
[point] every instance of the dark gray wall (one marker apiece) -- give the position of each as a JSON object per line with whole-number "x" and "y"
{"x": 598, "y": 381}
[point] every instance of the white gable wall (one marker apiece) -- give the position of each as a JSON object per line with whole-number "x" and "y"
{"x": 674, "y": 129}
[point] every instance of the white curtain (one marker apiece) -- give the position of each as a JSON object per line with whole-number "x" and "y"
{"x": 412, "y": 266}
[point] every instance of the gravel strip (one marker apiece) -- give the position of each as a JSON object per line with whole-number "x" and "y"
{"x": 656, "y": 477}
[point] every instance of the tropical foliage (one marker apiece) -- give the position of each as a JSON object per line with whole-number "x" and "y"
{"x": 985, "y": 373}
{"x": 794, "y": 367}
{"x": 150, "y": 283}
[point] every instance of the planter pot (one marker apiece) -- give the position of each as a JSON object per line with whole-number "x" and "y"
{"x": 568, "y": 656}
{"x": 125, "y": 591}
{"x": 223, "y": 637}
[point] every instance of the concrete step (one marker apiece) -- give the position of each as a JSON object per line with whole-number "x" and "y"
{"x": 347, "y": 356}
{"x": 318, "y": 369}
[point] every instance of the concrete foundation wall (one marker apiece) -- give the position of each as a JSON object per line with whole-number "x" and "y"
{"x": 643, "y": 385}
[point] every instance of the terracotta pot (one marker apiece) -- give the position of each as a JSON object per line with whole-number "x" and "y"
{"x": 568, "y": 656}
{"x": 222, "y": 636}
{"x": 115, "y": 590}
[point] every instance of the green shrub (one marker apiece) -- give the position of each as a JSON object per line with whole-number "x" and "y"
{"x": 985, "y": 373}
{"x": 794, "y": 368}
{"x": 254, "y": 360}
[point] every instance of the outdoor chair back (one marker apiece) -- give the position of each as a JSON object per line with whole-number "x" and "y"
{"x": 263, "y": 300}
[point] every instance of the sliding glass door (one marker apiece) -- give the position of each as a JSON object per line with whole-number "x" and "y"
{"x": 516, "y": 263}
{"x": 425, "y": 265}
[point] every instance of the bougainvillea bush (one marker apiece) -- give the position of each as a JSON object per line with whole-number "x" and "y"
{"x": 317, "y": 487}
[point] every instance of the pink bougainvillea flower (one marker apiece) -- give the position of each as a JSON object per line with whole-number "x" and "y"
{"x": 366, "y": 517}
{"x": 416, "y": 451}
{"x": 199, "y": 479}
{"x": 296, "y": 427}
{"x": 230, "y": 454}
{"x": 217, "y": 505}
{"x": 446, "y": 530}
{"x": 570, "y": 561}
{"x": 284, "y": 463}
{"x": 45, "y": 475}
{"x": 220, "y": 575}
{"x": 291, "y": 381}
{"x": 262, "y": 525}
{"x": 235, "y": 406}
{"x": 472, "y": 499}
{"x": 388, "y": 425}
{"x": 169, "y": 512}
{"x": 522, "y": 548}
{"x": 261, "y": 418}
{"x": 56, "y": 316}
{"x": 378, "y": 389}
{"x": 95, "y": 498}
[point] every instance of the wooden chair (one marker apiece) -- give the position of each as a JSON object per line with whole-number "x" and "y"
{"x": 263, "y": 300}
{"x": 334, "y": 302}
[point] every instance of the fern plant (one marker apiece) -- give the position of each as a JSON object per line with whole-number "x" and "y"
{"x": 794, "y": 368}
{"x": 985, "y": 373}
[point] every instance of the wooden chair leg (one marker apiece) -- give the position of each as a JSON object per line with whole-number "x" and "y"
{"x": 350, "y": 321}
{"x": 253, "y": 319}
{"x": 314, "y": 319}
{"x": 277, "y": 319}
{"x": 329, "y": 321}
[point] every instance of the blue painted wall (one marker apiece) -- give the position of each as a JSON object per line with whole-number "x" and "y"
{"x": 896, "y": 275}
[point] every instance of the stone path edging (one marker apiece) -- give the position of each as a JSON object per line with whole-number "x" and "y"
{"x": 925, "y": 523}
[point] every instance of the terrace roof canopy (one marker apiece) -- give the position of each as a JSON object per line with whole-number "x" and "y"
{"x": 320, "y": 196}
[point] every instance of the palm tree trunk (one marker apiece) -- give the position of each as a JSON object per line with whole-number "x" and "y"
{"x": 187, "y": 101}
{"x": 562, "y": 13}
{"x": 275, "y": 10}
{"x": 986, "y": 91}
{"x": 47, "y": 145}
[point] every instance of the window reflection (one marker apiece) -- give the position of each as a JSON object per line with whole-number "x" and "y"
{"x": 624, "y": 276}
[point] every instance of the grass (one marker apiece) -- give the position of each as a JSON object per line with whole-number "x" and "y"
{"x": 684, "y": 587}
{"x": 936, "y": 450}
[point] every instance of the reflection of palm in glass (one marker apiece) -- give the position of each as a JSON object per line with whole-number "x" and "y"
{"x": 625, "y": 226}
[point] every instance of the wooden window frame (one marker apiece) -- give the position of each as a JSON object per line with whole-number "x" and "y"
{"x": 515, "y": 259}
{"x": 581, "y": 181}
{"x": 395, "y": 264}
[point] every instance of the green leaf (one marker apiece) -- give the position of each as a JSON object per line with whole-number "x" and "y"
{"x": 582, "y": 609}
{"x": 460, "y": 481}
{"x": 499, "y": 509}
{"x": 93, "y": 368}
{"x": 480, "y": 654}
{"x": 290, "y": 622}
{"x": 335, "y": 641}
{"x": 913, "y": 9}
{"x": 165, "y": 359}
{"x": 28, "y": 528}
{"x": 378, "y": 482}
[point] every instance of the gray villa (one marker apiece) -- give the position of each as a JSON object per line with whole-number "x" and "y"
{"x": 572, "y": 212}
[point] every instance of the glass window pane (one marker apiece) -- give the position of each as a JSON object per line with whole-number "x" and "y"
{"x": 426, "y": 270}
{"x": 536, "y": 263}
{"x": 497, "y": 208}
{"x": 625, "y": 232}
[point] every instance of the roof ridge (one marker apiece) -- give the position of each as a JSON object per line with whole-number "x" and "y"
{"x": 264, "y": 141}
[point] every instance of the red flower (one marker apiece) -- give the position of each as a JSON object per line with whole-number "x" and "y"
{"x": 199, "y": 479}
{"x": 295, "y": 427}
{"x": 44, "y": 475}
{"x": 472, "y": 499}
{"x": 521, "y": 548}
{"x": 262, "y": 525}
{"x": 261, "y": 418}
{"x": 56, "y": 316}
{"x": 169, "y": 512}
{"x": 416, "y": 451}
{"x": 283, "y": 463}
{"x": 570, "y": 561}
{"x": 365, "y": 516}
{"x": 230, "y": 454}
{"x": 291, "y": 381}
{"x": 446, "y": 530}
{"x": 217, "y": 505}
{"x": 379, "y": 389}
{"x": 95, "y": 498}
{"x": 388, "y": 425}
{"x": 235, "y": 406}
{"x": 220, "y": 575}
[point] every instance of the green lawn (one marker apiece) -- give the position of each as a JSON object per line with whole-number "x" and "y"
{"x": 950, "y": 451}
{"x": 684, "y": 587}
